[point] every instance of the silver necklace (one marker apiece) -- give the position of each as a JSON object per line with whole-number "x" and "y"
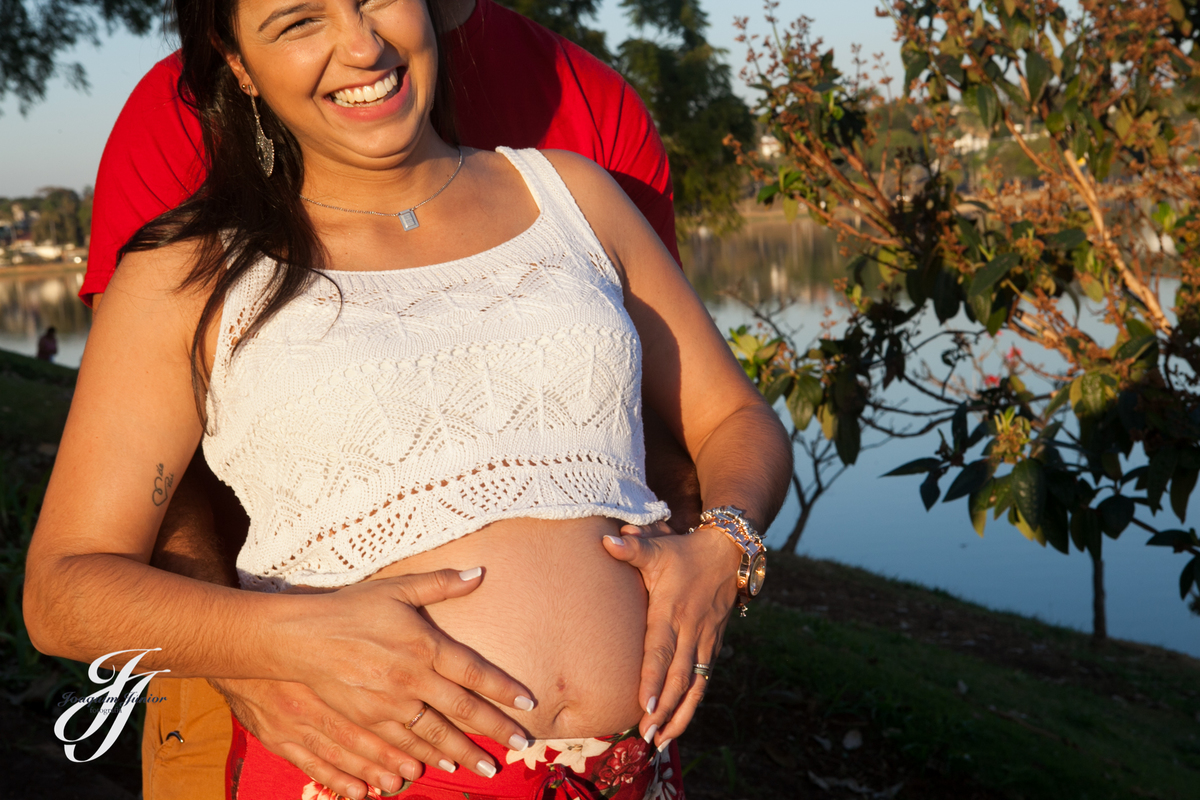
{"x": 407, "y": 217}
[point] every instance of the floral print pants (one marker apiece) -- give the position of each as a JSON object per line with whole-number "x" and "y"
{"x": 620, "y": 766}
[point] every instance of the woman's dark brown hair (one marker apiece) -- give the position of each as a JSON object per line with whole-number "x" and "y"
{"x": 239, "y": 215}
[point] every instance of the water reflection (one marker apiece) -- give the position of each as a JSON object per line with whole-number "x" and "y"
{"x": 31, "y": 301}
{"x": 768, "y": 258}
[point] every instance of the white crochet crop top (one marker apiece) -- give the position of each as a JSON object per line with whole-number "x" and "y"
{"x": 430, "y": 402}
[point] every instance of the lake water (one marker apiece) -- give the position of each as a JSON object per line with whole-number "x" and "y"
{"x": 865, "y": 520}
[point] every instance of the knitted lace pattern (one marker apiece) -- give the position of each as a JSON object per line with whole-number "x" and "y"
{"x": 430, "y": 401}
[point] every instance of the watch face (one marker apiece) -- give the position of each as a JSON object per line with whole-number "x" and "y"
{"x": 758, "y": 573}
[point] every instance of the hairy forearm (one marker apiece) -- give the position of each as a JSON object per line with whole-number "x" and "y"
{"x": 747, "y": 462}
{"x": 86, "y": 606}
{"x": 202, "y": 528}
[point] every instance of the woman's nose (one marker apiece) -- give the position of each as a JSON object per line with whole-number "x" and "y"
{"x": 358, "y": 44}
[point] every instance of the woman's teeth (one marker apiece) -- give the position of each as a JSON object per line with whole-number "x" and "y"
{"x": 366, "y": 95}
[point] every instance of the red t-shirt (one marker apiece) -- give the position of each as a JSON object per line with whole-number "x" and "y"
{"x": 517, "y": 84}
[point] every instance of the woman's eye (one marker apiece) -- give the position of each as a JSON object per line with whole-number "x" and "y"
{"x": 296, "y": 25}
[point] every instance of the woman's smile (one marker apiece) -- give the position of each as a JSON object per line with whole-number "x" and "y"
{"x": 368, "y": 94}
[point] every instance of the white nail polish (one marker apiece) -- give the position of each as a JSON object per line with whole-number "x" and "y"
{"x": 524, "y": 703}
{"x": 518, "y": 743}
{"x": 649, "y": 737}
{"x": 486, "y": 769}
{"x": 651, "y": 704}
{"x": 470, "y": 574}
{"x": 664, "y": 745}
{"x": 617, "y": 540}
{"x": 447, "y": 766}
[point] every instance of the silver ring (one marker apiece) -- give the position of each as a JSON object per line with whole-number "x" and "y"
{"x": 703, "y": 670}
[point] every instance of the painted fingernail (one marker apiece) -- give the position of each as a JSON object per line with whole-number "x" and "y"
{"x": 486, "y": 768}
{"x": 649, "y": 735}
{"x": 524, "y": 703}
{"x": 447, "y": 766}
{"x": 470, "y": 574}
{"x": 663, "y": 746}
{"x": 616, "y": 540}
{"x": 518, "y": 743}
{"x": 651, "y": 704}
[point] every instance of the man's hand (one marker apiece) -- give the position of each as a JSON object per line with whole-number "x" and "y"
{"x": 692, "y": 585}
{"x": 292, "y": 722}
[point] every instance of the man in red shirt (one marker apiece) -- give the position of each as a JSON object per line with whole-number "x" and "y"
{"x": 516, "y": 84}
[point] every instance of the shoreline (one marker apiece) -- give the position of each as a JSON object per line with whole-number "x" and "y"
{"x": 46, "y": 268}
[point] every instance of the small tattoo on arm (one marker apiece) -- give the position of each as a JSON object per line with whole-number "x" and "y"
{"x": 162, "y": 486}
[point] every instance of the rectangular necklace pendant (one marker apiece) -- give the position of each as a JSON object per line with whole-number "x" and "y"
{"x": 408, "y": 218}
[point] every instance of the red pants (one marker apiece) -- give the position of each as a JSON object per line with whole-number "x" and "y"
{"x": 620, "y": 766}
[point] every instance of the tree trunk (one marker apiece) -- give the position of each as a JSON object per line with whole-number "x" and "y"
{"x": 1099, "y": 619}
{"x": 793, "y": 539}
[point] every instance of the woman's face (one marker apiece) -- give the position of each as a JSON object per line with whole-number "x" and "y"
{"x": 353, "y": 81}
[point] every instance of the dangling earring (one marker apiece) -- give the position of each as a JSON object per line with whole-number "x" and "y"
{"x": 265, "y": 147}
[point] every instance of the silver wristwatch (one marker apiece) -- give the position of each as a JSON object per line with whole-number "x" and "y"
{"x": 753, "y": 569}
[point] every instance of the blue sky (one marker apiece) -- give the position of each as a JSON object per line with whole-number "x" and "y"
{"x": 60, "y": 141}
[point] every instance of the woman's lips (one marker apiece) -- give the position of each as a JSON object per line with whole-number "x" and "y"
{"x": 370, "y": 95}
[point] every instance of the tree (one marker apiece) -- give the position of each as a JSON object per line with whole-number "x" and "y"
{"x": 59, "y": 217}
{"x": 1094, "y": 421}
{"x": 688, "y": 91}
{"x": 35, "y": 33}
{"x": 565, "y": 17}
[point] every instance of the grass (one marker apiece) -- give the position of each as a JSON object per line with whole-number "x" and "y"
{"x": 840, "y": 683}
{"x": 936, "y": 721}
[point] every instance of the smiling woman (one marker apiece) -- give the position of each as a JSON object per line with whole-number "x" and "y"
{"x": 435, "y": 429}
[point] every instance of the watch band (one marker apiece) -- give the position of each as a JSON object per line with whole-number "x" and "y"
{"x": 730, "y": 521}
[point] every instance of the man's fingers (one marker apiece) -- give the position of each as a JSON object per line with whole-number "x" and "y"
{"x": 345, "y": 781}
{"x": 365, "y": 746}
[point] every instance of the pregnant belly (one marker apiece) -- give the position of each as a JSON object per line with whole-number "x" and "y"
{"x": 555, "y": 612}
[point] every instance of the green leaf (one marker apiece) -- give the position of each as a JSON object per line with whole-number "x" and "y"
{"x": 1177, "y": 539}
{"x": 1091, "y": 395}
{"x": 915, "y": 467}
{"x": 1037, "y": 74}
{"x": 1060, "y": 397}
{"x": 1066, "y": 239}
{"x": 992, "y": 272}
{"x": 829, "y": 421}
{"x": 791, "y": 207}
{"x": 767, "y": 193}
{"x": 1136, "y": 348}
{"x": 915, "y": 63}
{"x": 1115, "y": 514}
{"x": 780, "y": 386}
{"x": 977, "y": 506}
{"x": 987, "y": 105}
{"x": 1055, "y": 526}
{"x": 1085, "y": 528}
{"x": 997, "y": 320}
{"x": 1189, "y": 576}
{"x": 1162, "y": 467}
{"x": 799, "y": 406}
{"x": 848, "y": 440}
{"x": 970, "y": 480}
{"x": 1029, "y": 491}
{"x": 929, "y": 489}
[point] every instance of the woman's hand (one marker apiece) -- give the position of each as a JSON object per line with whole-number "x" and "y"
{"x": 692, "y": 582}
{"x": 369, "y": 652}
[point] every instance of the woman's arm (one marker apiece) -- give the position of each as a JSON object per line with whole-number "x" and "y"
{"x": 89, "y": 590}
{"x": 741, "y": 450}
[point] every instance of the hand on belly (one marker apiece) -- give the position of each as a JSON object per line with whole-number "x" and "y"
{"x": 556, "y": 613}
